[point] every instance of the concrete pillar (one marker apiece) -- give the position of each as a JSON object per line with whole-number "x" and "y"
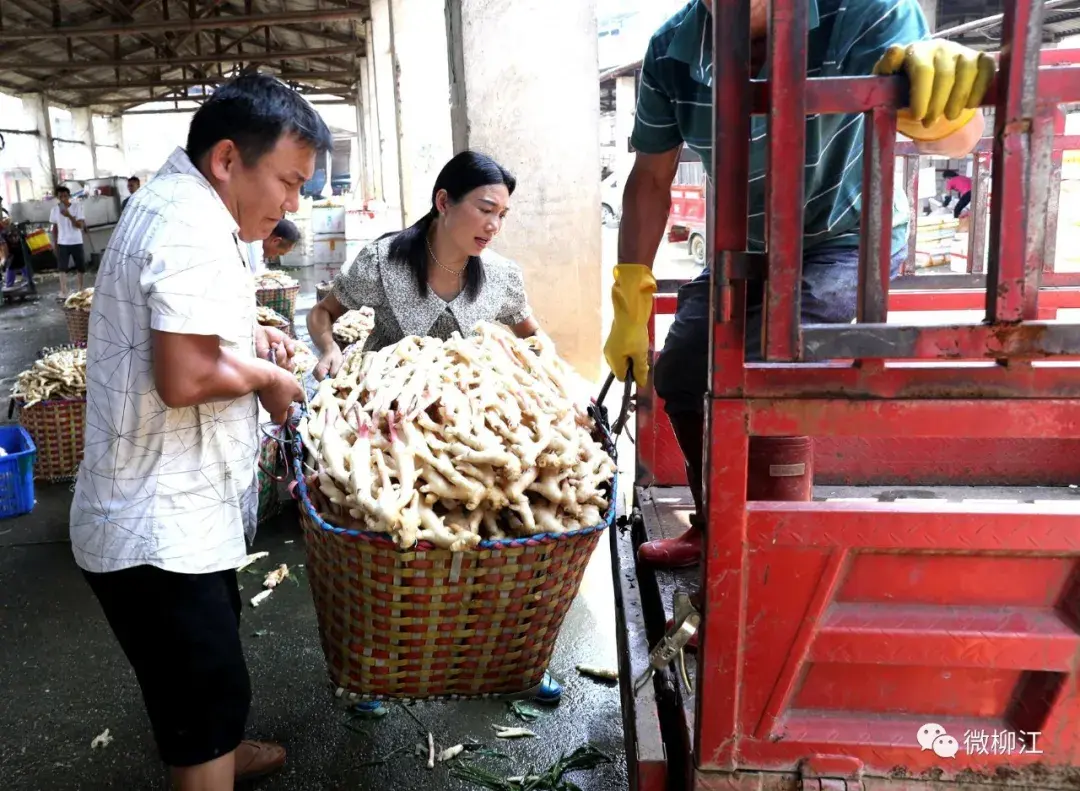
{"x": 368, "y": 115}
{"x": 43, "y": 167}
{"x": 359, "y": 148}
{"x": 381, "y": 43}
{"x": 84, "y": 130}
{"x": 538, "y": 115}
{"x": 929, "y": 8}
{"x": 625, "y": 110}
{"x": 425, "y": 141}
{"x": 115, "y": 127}
{"x": 371, "y": 114}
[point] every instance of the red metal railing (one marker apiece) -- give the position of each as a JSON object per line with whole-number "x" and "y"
{"x": 775, "y": 573}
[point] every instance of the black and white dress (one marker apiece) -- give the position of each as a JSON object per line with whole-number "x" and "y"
{"x": 388, "y": 287}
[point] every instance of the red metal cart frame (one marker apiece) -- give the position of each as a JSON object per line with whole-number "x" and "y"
{"x": 820, "y": 655}
{"x": 909, "y": 459}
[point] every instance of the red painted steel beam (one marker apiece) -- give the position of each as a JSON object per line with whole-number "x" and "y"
{"x": 849, "y": 95}
{"x": 1012, "y": 275}
{"x": 720, "y": 660}
{"x": 979, "y": 380}
{"x": 1027, "y": 340}
{"x": 1005, "y": 638}
{"x": 916, "y": 526}
{"x": 876, "y": 221}
{"x": 973, "y": 299}
{"x": 784, "y": 207}
{"x": 944, "y": 418}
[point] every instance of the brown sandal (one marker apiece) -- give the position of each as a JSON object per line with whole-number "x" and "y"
{"x": 258, "y": 759}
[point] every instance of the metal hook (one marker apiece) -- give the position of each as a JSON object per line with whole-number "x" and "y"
{"x": 624, "y": 410}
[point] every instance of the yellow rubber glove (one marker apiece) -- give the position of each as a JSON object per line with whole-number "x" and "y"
{"x": 948, "y": 82}
{"x": 632, "y": 297}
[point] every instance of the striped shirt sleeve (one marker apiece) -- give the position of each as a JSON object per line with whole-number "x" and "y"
{"x": 882, "y": 24}
{"x": 656, "y": 128}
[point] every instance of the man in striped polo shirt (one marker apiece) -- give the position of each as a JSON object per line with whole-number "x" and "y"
{"x": 846, "y": 38}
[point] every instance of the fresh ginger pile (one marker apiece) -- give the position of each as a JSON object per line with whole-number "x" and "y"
{"x": 272, "y": 278}
{"x": 454, "y": 442}
{"x": 354, "y": 325}
{"x": 268, "y": 317}
{"x": 303, "y": 359}
{"x": 80, "y": 300}
{"x": 56, "y": 376}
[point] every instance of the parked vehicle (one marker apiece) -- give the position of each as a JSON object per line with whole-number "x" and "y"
{"x": 611, "y": 190}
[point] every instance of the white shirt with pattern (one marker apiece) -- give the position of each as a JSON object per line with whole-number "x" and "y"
{"x": 159, "y": 486}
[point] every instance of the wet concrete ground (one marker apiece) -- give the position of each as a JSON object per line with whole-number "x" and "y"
{"x": 64, "y": 680}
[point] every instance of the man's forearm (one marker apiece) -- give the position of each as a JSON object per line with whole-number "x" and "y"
{"x": 228, "y": 376}
{"x": 646, "y": 205}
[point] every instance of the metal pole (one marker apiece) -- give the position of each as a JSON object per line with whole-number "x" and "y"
{"x": 336, "y": 76}
{"x": 786, "y": 170}
{"x": 1012, "y": 278}
{"x": 182, "y": 25}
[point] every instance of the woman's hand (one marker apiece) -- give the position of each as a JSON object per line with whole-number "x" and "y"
{"x": 329, "y": 363}
{"x": 267, "y": 338}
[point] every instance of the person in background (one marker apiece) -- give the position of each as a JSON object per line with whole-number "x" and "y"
{"x": 68, "y": 224}
{"x": 847, "y": 38}
{"x": 961, "y": 185}
{"x": 5, "y": 229}
{"x": 274, "y": 247}
{"x": 176, "y": 369}
{"x": 437, "y": 276}
{"x": 133, "y": 186}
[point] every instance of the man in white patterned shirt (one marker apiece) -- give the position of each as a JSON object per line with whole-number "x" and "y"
{"x": 176, "y": 369}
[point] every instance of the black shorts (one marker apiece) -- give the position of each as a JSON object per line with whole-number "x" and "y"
{"x": 70, "y": 257}
{"x": 181, "y": 633}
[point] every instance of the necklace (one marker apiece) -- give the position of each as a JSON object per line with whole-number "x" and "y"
{"x": 455, "y": 272}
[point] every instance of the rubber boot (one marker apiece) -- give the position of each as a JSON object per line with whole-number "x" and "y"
{"x": 686, "y": 550}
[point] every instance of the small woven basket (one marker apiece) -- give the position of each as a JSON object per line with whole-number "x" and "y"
{"x": 78, "y": 324}
{"x": 428, "y": 623}
{"x": 269, "y": 502}
{"x": 283, "y": 300}
{"x": 57, "y": 430}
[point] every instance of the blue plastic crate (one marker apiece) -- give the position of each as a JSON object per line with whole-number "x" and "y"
{"x": 16, "y": 471}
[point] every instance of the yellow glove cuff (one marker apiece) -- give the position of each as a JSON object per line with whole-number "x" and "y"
{"x": 909, "y": 127}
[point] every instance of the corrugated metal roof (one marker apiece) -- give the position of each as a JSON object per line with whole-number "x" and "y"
{"x": 115, "y": 54}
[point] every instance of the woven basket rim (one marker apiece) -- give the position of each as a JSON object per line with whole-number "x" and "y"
{"x": 278, "y": 288}
{"x": 426, "y": 546}
{"x": 76, "y": 309}
{"x": 51, "y": 401}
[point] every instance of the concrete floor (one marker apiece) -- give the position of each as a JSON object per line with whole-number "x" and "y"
{"x": 64, "y": 680}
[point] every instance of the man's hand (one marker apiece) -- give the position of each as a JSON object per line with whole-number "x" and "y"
{"x": 283, "y": 391}
{"x": 329, "y": 363}
{"x": 948, "y": 83}
{"x": 632, "y": 298}
{"x": 267, "y": 338}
